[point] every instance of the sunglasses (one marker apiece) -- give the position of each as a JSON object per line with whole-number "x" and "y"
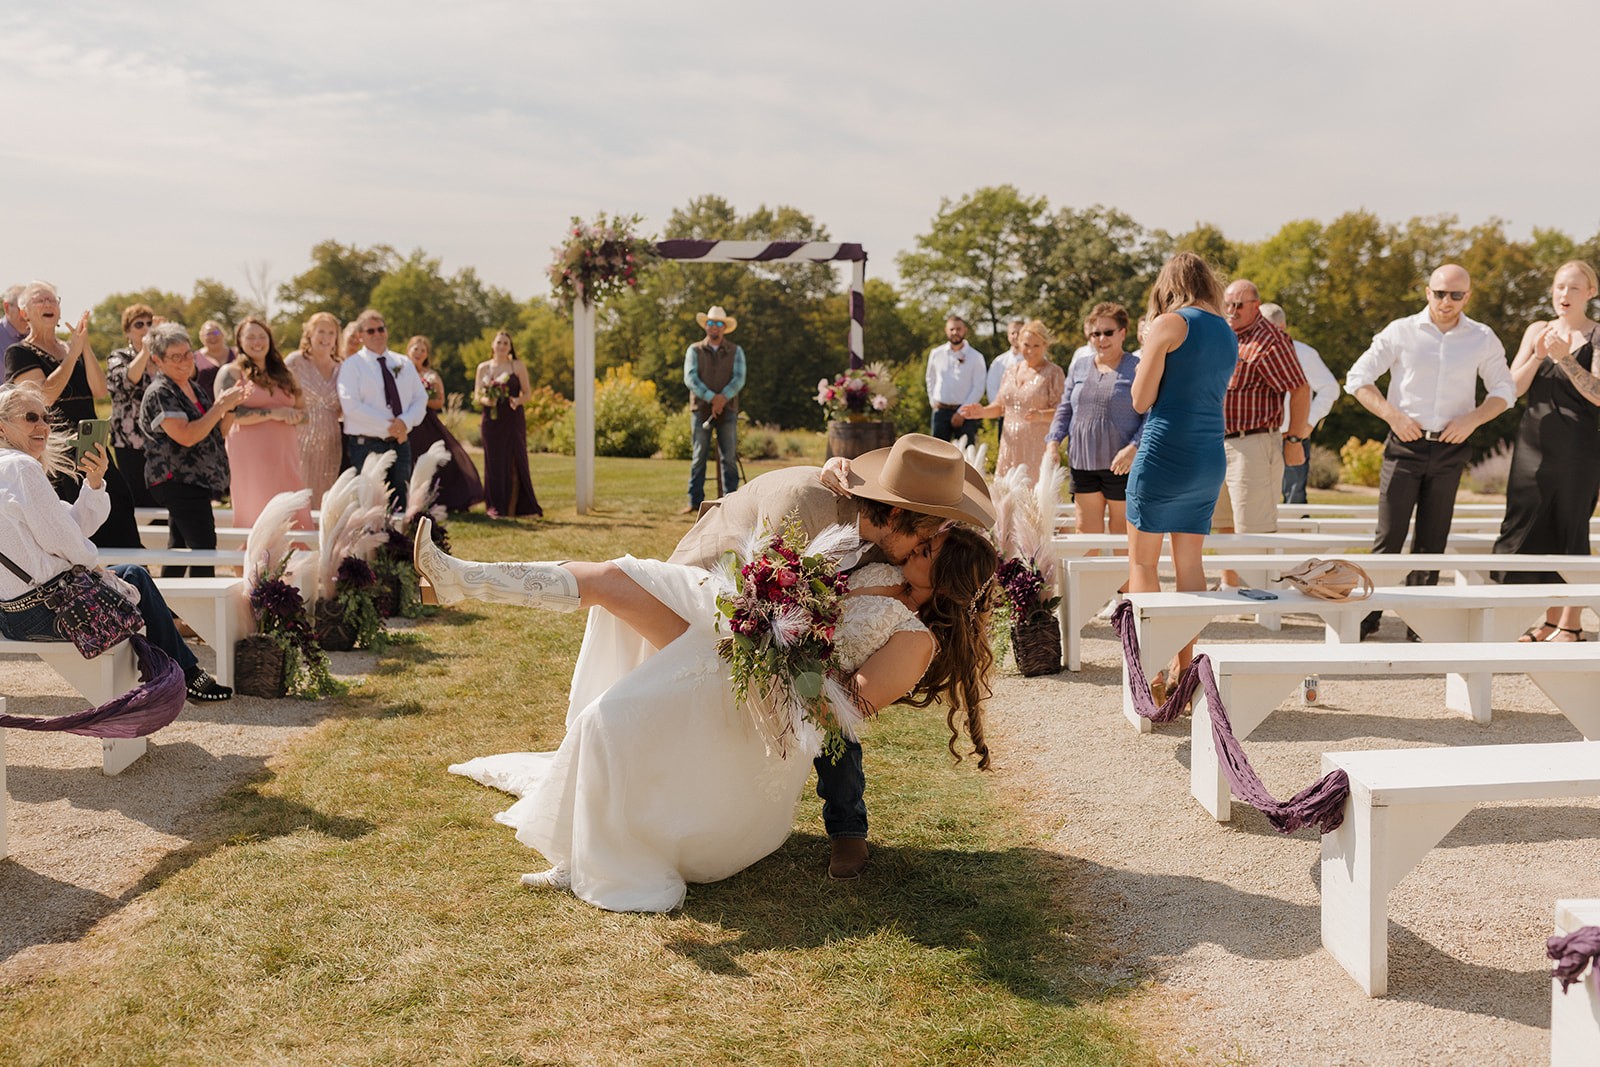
{"x": 139, "y": 324}
{"x": 30, "y": 417}
{"x": 375, "y": 329}
{"x": 715, "y": 322}
{"x": 1237, "y": 304}
{"x": 1102, "y": 333}
{"x": 1448, "y": 294}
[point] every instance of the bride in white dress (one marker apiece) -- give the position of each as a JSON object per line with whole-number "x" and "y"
{"x": 662, "y": 778}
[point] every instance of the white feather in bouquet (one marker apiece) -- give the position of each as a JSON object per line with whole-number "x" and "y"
{"x": 420, "y": 491}
{"x": 355, "y": 518}
{"x": 1025, "y": 515}
{"x": 269, "y": 542}
{"x": 978, "y": 456}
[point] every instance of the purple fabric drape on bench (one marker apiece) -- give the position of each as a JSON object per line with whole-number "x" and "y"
{"x": 142, "y": 710}
{"x": 1320, "y": 804}
{"x": 1572, "y": 953}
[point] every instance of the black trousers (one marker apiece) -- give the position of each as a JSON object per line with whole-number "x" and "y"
{"x": 190, "y": 523}
{"x": 1418, "y": 477}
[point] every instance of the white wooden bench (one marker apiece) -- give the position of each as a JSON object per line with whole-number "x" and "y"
{"x": 153, "y": 559}
{"x": 1165, "y": 622}
{"x": 227, "y": 536}
{"x": 1254, "y": 679}
{"x": 109, "y": 674}
{"x": 218, "y": 609}
{"x": 1402, "y": 802}
{"x": 1088, "y": 584}
{"x": 1575, "y": 1013}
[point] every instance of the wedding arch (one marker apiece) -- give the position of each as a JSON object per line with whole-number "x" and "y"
{"x": 583, "y": 321}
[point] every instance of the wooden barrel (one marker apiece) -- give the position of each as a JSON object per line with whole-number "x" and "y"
{"x": 850, "y": 439}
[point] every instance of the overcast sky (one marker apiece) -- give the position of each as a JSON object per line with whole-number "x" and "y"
{"x": 154, "y": 143}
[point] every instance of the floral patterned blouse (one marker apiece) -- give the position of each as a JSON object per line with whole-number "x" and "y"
{"x": 204, "y": 464}
{"x": 126, "y": 397}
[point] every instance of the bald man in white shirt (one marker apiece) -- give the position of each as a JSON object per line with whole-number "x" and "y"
{"x": 1434, "y": 360}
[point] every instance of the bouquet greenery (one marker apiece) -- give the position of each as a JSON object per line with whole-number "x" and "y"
{"x": 281, "y": 615}
{"x": 600, "y": 259}
{"x": 354, "y": 586}
{"x": 782, "y": 603}
{"x": 862, "y": 391}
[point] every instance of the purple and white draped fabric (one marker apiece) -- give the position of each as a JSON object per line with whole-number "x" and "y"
{"x": 142, "y": 710}
{"x": 1572, "y": 953}
{"x": 1321, "y": 803}
{"x": 788, "y": 252}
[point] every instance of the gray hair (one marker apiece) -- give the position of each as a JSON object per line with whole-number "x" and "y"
{"x": 1273, "y": 313}
{"x": 163, "y": 336}
{"x": 11, "y": 294}
{"x": 17, "y": 397}
{"x": 36, "y": 287}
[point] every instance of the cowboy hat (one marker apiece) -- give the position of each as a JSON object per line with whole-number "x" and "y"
{"x": 717, "y": 313}
{"x": 923, "y": 474}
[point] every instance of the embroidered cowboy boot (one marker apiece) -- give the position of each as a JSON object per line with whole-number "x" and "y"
{"x": 449, "y": 580}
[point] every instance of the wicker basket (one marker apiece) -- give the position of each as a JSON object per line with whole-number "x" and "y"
{"x": 1037, "y": 647}
{"x": 334, "y": 634}
{"x": 258, "y": 666}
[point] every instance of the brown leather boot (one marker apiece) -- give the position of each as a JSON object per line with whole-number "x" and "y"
{"x": 848, "y": 859}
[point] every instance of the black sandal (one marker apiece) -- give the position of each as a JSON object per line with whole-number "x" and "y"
{"x": 204, "y": 689}
{"x": 1531, "y": 634}
{"x": 1568, "y": 630}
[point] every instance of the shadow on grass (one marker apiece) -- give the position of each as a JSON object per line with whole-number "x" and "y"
{"x": 36, "y": 909}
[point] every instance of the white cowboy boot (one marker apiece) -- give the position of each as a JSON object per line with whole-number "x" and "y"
{"x": 532, "y": 585}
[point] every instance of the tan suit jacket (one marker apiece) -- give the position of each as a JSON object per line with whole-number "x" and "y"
{"x": 772, "y": 498}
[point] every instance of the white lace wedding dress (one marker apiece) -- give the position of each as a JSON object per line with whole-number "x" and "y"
{"x": 661, "y": 778}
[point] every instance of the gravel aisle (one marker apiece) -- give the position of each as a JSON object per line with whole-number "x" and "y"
{"x": 1224, "y": 919}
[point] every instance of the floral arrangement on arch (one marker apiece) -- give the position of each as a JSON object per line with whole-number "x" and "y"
{"x": 600, "y": 259}
{"x": 859, "y": 393}
{"x": 781, "y": 598}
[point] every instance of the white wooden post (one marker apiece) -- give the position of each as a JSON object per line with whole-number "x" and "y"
{"x": 858, "y": 314}
{"x": 583, "y": 328}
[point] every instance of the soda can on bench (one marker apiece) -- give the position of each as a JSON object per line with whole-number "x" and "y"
{"x": 1310, "y": 691}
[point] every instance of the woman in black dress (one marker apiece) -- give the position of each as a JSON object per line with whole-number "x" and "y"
{"x": 501, "y": 388}
{"x": 1555, "y": 467}
{"x": 457, "y": 481}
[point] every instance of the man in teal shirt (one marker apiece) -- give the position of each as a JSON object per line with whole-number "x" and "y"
{"x": 713, "y": 370}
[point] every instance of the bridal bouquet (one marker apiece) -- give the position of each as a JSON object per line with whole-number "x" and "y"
{"x": 781, "y": 602}
{"x": 496, "y": 390}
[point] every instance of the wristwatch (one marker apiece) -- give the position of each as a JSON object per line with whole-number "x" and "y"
{"x": 1291, "y": 439}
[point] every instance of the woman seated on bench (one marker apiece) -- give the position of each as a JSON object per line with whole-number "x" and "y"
{"x": 32, "y": 516}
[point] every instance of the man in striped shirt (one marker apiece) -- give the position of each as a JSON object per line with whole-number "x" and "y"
{"x": 1267, "y": 371}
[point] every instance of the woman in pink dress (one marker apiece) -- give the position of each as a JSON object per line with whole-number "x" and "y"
{"x": 264, "y": 443}
{"x": 1028, "y": 397}
{"x": 315, "y": 366}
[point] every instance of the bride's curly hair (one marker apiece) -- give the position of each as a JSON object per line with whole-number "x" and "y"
{"x": 958, "y": 614}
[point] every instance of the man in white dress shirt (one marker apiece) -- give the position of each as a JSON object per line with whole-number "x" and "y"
{"x": 955, "y": 377}
{"x": 997, "y": 369}
{"x": 383, "y": 400}
{"x": 1434, "y": 360}
{"x": 1324, "y": 391}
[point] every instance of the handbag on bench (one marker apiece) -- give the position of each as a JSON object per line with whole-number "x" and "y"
{"x": 91, "y": 612}
{"x": 1330, "y": 579}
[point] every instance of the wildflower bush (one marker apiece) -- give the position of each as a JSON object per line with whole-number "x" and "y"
{"x": 544, "y": 411}
{"x": 1489, "y": 474}
{"x": 1324, "y": 473}
{"x": 1361, "y": 462}
{"x": 627, "y": 418}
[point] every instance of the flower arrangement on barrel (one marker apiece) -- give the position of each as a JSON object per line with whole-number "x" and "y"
{"x": 860, "y": 393}
{"x": 781, "y": 599}
{"x": 600, "y": 259}
{"x": 1025, "y": 514}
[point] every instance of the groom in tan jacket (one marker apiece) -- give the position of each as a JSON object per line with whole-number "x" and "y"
{"x": 897, "y": 497}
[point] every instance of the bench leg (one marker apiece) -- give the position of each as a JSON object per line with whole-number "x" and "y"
{"x": 1249, "y": 700}
{"x": 116, "y": 754}
{"x": 1362, "y": 861}
{"x": 1469, "y": 694}
{"x": 1159, "y": 641}
{"x": 1086, "y": 593}
{"x": 3, "y": 794}
{"x": 1575, "y": 694}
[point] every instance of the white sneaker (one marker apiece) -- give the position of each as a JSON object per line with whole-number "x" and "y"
{"x": 555, "y": 878}
{"x": 1110, "y": 609}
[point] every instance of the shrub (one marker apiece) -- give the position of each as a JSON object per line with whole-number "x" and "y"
{"x": 1490, "y": 473}
{"x": 760, "y": 441}
{"x": 677, "y": 440}
{"x": 912, "y": 414}
{"x": 627, "y": 418}
{"x": 1361, "y": 462}
{"x": 543, "y": 411}
{"x": 1324, "y": 472}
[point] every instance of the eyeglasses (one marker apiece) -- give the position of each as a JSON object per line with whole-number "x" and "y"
{"x": 139, "y": 324}
{"x": 30, "y": 417}
{"x": 1102, "y": 333}
{"x": 1449, "y": 294}
{"x": 715, "y": 322}
{"x": 375, "y": 329}
{"x": 1237, "y": 304}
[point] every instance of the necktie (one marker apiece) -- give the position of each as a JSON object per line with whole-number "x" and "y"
{"x": 391, "y": 391}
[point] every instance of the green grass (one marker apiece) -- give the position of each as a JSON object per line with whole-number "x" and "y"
{"x": 356, "y": 904}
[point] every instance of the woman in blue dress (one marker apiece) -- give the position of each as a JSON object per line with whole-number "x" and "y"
{"x": 1189, "y": 354}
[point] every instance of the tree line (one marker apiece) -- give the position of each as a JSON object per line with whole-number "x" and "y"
{"x": 989, "y": 256}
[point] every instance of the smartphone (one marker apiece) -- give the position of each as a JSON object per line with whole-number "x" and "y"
{"x": 90, "y": 433}
{"x": 1258, "y": 594}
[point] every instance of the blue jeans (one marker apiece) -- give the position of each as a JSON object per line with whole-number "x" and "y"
{"x": 38, "y": 622}
{"x": 727, "y": 428}
{"x": 1294, "y": 480}
{"x": 843, "y": 787}
{"x": 357, "y": 449}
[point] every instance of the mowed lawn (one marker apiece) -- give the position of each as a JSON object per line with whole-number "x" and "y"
{"x": 358, "y": 905}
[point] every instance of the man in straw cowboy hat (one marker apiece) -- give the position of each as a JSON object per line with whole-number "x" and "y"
{"x": 897, "y": 498}
{"x": 714, "y": 372}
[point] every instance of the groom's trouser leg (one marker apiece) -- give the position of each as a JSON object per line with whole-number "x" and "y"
{"x": 843, "y": 788}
